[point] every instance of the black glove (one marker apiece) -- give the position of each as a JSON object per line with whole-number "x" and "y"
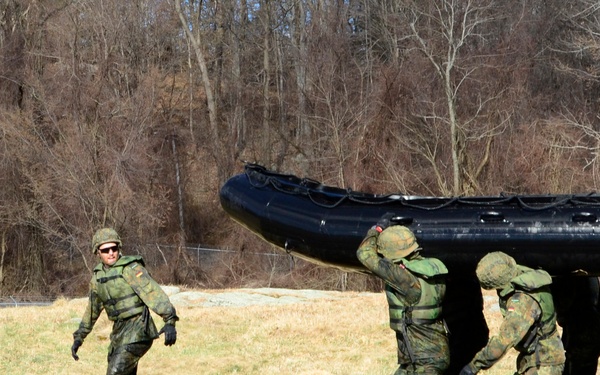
{"x": 170, "y": 334}
{"x": 384, "y": 221}
{"x": 466, "y": 371}
{"x": 75, "y": 348}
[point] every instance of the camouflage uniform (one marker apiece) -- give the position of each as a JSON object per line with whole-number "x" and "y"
{"x": 414, "y": 288}
{"x": 126, "y": 291}
{"x": 529, "y": 323}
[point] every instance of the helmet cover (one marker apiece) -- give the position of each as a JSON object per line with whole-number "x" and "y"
{"x": 396, "y": 242}
{"x": 495, "y": 270}
{"x": 105, "y": 235}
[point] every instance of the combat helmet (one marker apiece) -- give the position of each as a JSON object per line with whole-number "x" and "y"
{"x": 396, "y": 242}
{"x": 495, "y": 270}
{"x": 105, "y": 235}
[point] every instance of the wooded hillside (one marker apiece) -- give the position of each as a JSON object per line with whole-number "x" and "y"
{"x": 131, "y": 114}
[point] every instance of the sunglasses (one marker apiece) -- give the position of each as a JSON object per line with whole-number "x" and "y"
{"x": 108, "y": 249}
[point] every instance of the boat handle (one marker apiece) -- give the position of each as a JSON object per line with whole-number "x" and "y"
{"x": 584, "y": 217}
{"x": 402, "y": 220}
{"x": 492, "y": 216}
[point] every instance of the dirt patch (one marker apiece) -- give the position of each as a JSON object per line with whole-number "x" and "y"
{"x": 249, "y": 297}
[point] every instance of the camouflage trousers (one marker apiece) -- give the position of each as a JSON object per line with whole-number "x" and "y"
{"x": 429, "y": 369}
{"x": 543, "y": 370}
{"x": 124, "y": 360}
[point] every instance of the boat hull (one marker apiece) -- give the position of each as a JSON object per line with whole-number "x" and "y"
{"x": 325, "y": 225}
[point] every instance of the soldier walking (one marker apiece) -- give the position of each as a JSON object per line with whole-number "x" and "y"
{"x": 124, "y": 288}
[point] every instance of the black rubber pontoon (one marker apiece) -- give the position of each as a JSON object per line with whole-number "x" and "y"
{"x": 324, "y": 224}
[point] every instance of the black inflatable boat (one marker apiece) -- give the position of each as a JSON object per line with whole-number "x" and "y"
{"x": 324, "y": 224}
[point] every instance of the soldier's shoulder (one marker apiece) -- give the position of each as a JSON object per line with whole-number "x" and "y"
{"x": 98, "y": 267}
{"x": 131, "y": 261}
{"x": 521, "y": 301}
{"x": 426, "y": 266}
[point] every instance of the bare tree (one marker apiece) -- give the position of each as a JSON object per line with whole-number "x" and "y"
{"x": 191, "y": 19}
{"x": 132, "y": 114}
{"x": 456, "y": 25}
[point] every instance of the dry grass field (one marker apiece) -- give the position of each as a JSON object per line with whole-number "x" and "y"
{"x": 348, "y": 335}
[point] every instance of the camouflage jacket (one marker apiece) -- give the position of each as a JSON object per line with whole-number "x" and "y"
{"x": 126, "y": 290}
{"x": 420, "y": 340}
{"x": 526, "y": 316}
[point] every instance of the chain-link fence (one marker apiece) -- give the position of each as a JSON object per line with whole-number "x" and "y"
{"x": 209, "y": 259}
{"x": 11, "y": 301}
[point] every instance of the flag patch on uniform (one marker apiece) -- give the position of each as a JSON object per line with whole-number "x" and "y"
{"x": 511, "y": 309}
{"x": 139, "y": 274}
